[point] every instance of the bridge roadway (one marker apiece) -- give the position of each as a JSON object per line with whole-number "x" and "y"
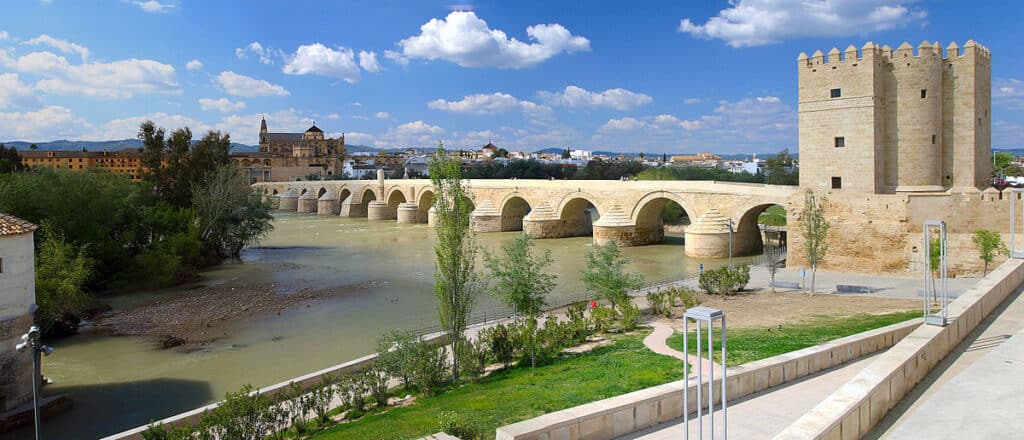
{"x": 626, "y": 211}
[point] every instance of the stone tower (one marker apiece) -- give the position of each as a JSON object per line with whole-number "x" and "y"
{"x": 883, "y": 121}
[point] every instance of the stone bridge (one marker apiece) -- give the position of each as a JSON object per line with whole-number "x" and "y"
{"x": 629, "y": 212}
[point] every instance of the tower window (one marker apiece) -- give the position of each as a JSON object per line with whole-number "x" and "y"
{"x": 840, "y": 142}
{"x": 924, "y": 93}
{"x": 837, "y": 182}
{"x": 835, "y": 93}
{"x": 1, "y": 265}
{"x": 934, "y": 138}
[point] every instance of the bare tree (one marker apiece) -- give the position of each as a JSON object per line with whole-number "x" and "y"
{"x": 773, "y": 259}
{"x": 815, "y": 231}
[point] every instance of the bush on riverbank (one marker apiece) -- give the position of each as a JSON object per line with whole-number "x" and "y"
{"x": 192, "y": 212}
{"x": 725, "y": 280}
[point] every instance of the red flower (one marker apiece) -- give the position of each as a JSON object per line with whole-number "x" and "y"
{"x": 593, "y": 304}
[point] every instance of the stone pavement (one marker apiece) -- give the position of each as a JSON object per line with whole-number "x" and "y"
{"x": 990, "y": 363}
{"x": 656, "y": 342}
{"x": 767, "y": 413}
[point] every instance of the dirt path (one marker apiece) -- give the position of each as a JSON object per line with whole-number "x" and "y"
{"x": 656, "y": 341}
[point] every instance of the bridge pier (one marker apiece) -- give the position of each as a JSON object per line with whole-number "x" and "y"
{"x": 708, "y": 237}
{"x": 408, "y": 213}
{"x": 542, "y": 222}
{"x": 432, "y": 217}
{"x": 379, "y": 210}
{"x": 485, "y": 218}
{"x": 289, "y": 201}
{"x": 275, "y": 201}
{"x": 327, "y": 204}
{"x": 350, "y": 208}
{"x": 615, "y": 225}
{"x": 307, "y": 203}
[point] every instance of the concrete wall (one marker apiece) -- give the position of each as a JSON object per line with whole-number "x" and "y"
{"x": 620, "y": 415}
{"x": 17, "y": 303}
{"x": 855, "y": 408}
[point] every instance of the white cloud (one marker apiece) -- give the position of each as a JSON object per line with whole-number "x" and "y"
{"x": 357, "y": 138}
{"x": 333, "y": 116}
{"x": 759, "y": 22}
{"x": 480, "y": 104}
{"x": 691, "y": 101}
{"x": 464, "y": 39}
{"x": 368, "y": 61}
{"x": 265, "y": 55}
{"x": 357, "y": 104}
{"x": 761, "y": 124}
{"x": 241, "y": 85}
{"x": 245, "y": 128}
{"x": 396, "y": 57}
{"x": 118, "y": 79}
{"x": 128, "y": 127}
{"x": 321, "y": 60}
{"x": 153, "y": 6}
{"x": 193, "y": 65}
{"x": 1009, "y": 92}
{"x": 14, "y": 93}
{"x": 46, "y": 124}
{"x": 222, "y": 105}
{"x": 410, "y": 134}
{"x": 4, "y": 35}
{"x": 64, "y": 46}
{"x": 382, "y": 115}
{"x": 618, "y": 99}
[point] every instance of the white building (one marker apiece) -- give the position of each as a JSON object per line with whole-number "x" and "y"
{"x": 583, "y": 155}
{"x": 17, "y": 305}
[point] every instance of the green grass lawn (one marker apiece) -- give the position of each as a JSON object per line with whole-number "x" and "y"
{"x": 754, "y": 343}
{"x": 519, "y": 394}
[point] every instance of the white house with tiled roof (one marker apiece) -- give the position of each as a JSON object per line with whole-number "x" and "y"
{"x": 17, "y": 304}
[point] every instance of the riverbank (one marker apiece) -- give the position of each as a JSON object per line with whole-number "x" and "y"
{"x": 204, "y": 314}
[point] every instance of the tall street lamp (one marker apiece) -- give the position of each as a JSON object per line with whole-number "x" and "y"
{"x": 31, "y": 340}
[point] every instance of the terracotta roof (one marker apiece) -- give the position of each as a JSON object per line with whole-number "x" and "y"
{"x": 11, "y": 225}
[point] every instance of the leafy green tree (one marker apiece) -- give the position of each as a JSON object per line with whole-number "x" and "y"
{"x": 396, "y": 353}
{"x": 814, "y": 228}
{"x": 1004, "y": 164}
{"x": 10, "y": 160}
{"x": 566, "y": 154}
{"x": 33, "y": 147}
{"x": 62, "y": 270}
{"x": 989, "y": 245}
{"x": 501, "y": 153}
{"x": 456, "y": 284}
{"x": 520, "y": 281}
{"x": 606, "y": 274}
{"x": 229, "y": 215}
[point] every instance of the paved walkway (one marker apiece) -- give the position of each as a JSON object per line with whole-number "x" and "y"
{"x": 971, "y": 382}
{"x": 767, "y": 413}
{"x": 656, "y": 342}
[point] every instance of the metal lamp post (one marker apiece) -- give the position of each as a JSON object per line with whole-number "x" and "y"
{"x": 929, "y": 317}
{"x": 31, "y": 340}
{"x": 708, "y": 316}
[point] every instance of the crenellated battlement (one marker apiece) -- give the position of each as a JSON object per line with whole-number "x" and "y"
{"x": 871, "y": 51}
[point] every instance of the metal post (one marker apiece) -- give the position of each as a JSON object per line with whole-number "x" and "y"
{"x": 686, "y": 379}
{"x": 706, "y": 315}
{"x": 700, "y": 381}
{"x": 926, "y": 236}
{"x": 725, "y": 418}
{"x": 31, "y": 340}
{"x": 711, "y": 382}
{"x": 730, "y": 243}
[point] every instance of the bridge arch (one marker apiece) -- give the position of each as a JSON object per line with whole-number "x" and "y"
{"x": 578, "y": 212}
{"x": 344, "y": 194}
{"x": 423, "y": 205}
{"x": 395, "y": 197}
{"x": 749, "y": 238}
{"x": 321, "y": 192}
{"x": 513, "y": 209}
{"x": 653, "y": 211}
{"x": 303, "y": 192}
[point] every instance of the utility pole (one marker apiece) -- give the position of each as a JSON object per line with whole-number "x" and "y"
{"x": 31, "y": 340}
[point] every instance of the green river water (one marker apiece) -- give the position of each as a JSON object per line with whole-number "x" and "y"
{"x": 118, "y": 383}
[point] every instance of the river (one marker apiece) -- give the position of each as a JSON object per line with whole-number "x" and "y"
{"x": 118, "y": 383}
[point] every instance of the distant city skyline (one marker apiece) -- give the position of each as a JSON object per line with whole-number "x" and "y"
{"x": 653, "y": 77}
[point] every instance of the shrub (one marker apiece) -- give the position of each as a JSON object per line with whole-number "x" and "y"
{"x": 396, "y": 350}
{"x": 661, "y": 302}
{"x": 321, "y": 396}
{"x": 473, "y": 357}
{"x": 724, "y": 280}
{"x": 352, "y": 389}
{"x": 377, "y": 383}
{"x": 430, "y": 368}
{"x": 298, "y": 407}
{"x": 630, "y": 319}
{"x": 577, "y": 311}
{"x": 241, "y": 416}
{"x": 740, "y": 277}
{"x": 459, "y": 425}
{"x": 499, "y": 341}
{"x": 602, "y": 317}
{"x": 686, "y": 296}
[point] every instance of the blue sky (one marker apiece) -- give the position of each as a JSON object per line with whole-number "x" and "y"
{"x": 622, "y": 76}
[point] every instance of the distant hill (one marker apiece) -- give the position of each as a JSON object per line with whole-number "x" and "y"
{"x": 1013, "y": 151}
{"x": 658, "y": 155}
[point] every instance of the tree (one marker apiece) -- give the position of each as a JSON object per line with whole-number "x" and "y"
{"x": 61, "y": 273}
{"x": 566, "y": 154}
{"x": 606, "y": 275}
{"x": 396, "y": 353}
{"x": 33, "y": 147}
{"x": 229, "y": 214}
{"x": 10, "y": 160}
{"x": 815, "y": 231}
{"x": 521, "y": 282}
{"x": 455, "y": 280}
{"x": 773, "y": 261}
{"x": 501, "y": 153}
{"x": 1004, "y": 164}
{"x": 989, "y": 245}
{"x": 175, "y": 165}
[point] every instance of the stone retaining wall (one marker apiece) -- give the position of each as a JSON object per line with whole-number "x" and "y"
{"x": 856, "y": 407}
{"x": 620, "y": 415}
